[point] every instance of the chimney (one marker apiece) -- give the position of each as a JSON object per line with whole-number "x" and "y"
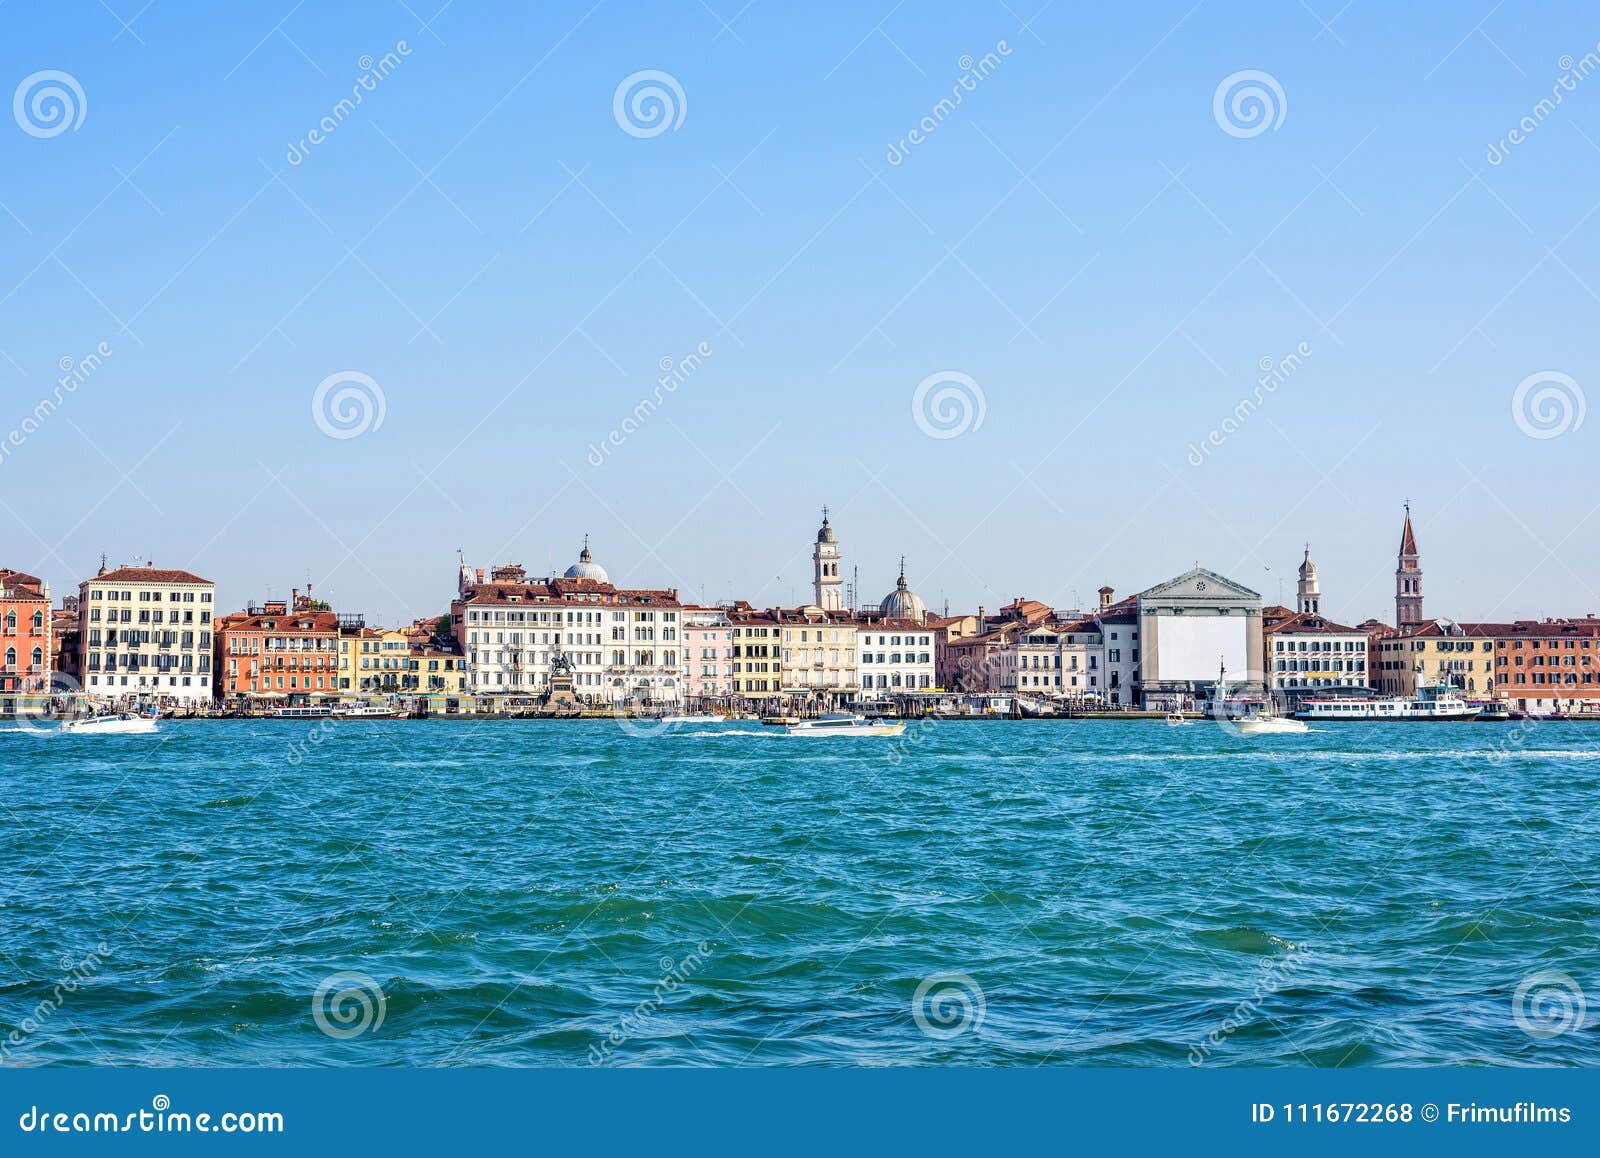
{"x": 1105, "y": 597}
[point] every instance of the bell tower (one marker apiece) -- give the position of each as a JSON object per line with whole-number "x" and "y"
{"x": 1408, "y": 579}
{"x": 827, "y": 583}
{"x": 1310, "y": 589}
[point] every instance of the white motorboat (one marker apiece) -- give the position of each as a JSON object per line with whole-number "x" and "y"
{"x": 1268, "y": 723}
{"x": 1257, "y": 718}
{"x": 1176, "y": 719}
{"x": 123, "y": 724}
{"x": 693, "y": 718}
{"x": 844, "y": 724}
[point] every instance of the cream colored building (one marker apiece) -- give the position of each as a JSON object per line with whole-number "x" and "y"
{"x": 145, "y": 634}
{"x": 818, "y": 654}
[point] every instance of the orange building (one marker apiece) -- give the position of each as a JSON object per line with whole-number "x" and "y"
{"x": 25, "y": 633}
{"x": 1551, "y": 665}
{"x": 279, "y": 651}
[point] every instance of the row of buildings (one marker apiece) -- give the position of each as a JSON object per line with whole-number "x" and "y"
{"x": 512, "y": 642}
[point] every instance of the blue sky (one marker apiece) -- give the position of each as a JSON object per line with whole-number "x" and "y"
{"x": 1081, "y": 238}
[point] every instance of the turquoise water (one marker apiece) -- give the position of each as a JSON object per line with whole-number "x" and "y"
{"x": 550, "y": 893}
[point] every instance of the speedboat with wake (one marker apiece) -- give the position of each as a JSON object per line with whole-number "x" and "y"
{"x": 117, "y": 724}
{"x": 844, "y": 724}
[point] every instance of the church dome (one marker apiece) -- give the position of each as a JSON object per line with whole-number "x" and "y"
{"x": 902, "y": 602}
{"x": 586, "y": 567}
{"x": 1308, "y": 568}
{"x": 825, "y": 533}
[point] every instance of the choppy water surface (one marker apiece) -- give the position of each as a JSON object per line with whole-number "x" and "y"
{"x": 527, "y": 893}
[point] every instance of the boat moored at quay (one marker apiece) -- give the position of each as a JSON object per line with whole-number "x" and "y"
{"x": 1436, "y": 702}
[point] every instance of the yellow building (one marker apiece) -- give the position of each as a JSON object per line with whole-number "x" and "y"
{"x": 756, "y": 656}
{"x": 437, "y": 675}
{"x": 818, "y": 655}
{"x": 1439, "y": 651}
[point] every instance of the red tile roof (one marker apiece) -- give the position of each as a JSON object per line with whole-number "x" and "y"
{"x": 284, "y": 622}
{"x": 1309, "y": 623}
{"x": 1554, "y": 627}
{"x": 20, "y": 584}
{"x": 148, "y": 575}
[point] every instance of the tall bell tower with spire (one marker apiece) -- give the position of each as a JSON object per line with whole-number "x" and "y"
{"x": 827, "y": 583}
{"x": 1408, "y": 578}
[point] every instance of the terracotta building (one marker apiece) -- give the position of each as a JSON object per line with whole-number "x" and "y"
{"x": 1549, "y": 666}
{"x": 280, "y": 651}
{"x": 26, "y": 632}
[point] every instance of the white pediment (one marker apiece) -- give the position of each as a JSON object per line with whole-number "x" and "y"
{"x": 1202, "y": 585}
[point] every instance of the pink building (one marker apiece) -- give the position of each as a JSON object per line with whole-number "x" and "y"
{"x": 708, "y": 653}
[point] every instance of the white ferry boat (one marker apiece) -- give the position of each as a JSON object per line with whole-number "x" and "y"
{"x": 367, "y": 712}
{"x": 844, "y": 724}
{"x": 1432, "y": 702}
{"x": 302, "y": 713}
